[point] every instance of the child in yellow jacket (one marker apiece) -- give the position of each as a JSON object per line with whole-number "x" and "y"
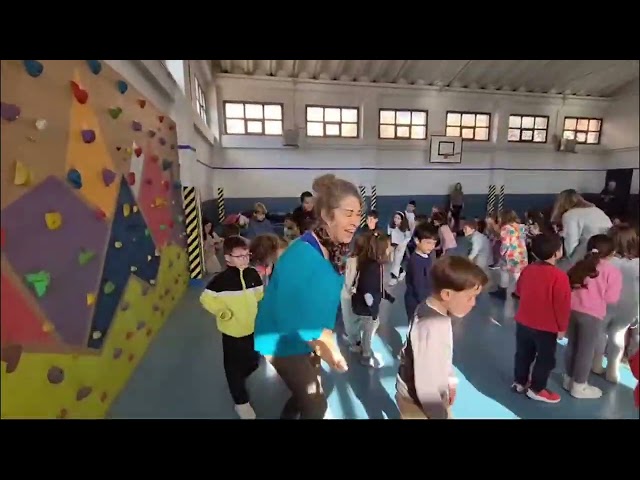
{"x": 233, "y": 296}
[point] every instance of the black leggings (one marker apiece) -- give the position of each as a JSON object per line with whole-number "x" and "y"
{"x": 456, "y": 210}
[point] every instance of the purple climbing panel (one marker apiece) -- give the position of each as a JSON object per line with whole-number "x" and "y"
{"x": 31, "y": 247}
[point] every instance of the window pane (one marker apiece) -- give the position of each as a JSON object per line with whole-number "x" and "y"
{"x": 583, "y": 124}
{"x": 403, "y": 132}
{"x": 513, "y": 135}
{"x": 540, "y": 136}
{"x": 541, "y": 122}
{"x": 273, "y": 127}
{"x": 315, "y": 114}
{"x": 581, "y": 137}
{"x": 482, "y": 120}
{"x": 569, "y": 135}
{"x": 418, "y": 118}
{"x": 315, "y": 129}
{"x": 332, "y": 129}
{"x": 253, "y": 111}
{"x": 453, "y": 131}
{"x": 482, "y": 134}
{"x": 468, "y": 120}
{"x": 467, "y": 133}
{"x": 350, "y": 130}
{"x": 592, "y": 137}
{"x": 331, "y": 114}
{"x": 403, "y": 118}
{"x": 234, "y": 110}
{"x": 515, "y": 121}
{"x": 527, "y": 135}
{"x": 453, "y": 119}
{"x": 569, "y": 123}
{"x": 418, "y": 132}
{"x": 254, "y": 127}
{"x": 350, "y": 115}
{"x": 594, "y": 125}
{"x": 273, "y": 112}
{"x": 387, "y": 131}
{"x": 388, "y": 117}
{"x": 235, "y": 126}
{"x": 527, "y": 122}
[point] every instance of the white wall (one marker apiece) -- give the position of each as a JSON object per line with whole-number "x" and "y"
{"x": 252, "y": 166}
{"x": 154, "y": 81}
{"x": 621, "y": 132}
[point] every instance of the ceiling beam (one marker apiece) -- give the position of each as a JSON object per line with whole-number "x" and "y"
{"x": 457, "y": 74}
{"x": 403, "y": 66}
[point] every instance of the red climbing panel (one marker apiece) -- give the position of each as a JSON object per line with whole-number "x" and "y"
{"x": 20, "y": 324}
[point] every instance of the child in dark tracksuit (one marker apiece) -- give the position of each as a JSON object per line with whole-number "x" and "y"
{"x": 418, "y": 280}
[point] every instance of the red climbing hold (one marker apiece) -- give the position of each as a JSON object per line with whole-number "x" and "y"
{"x": 79, "y": 93}
{"x": 161, "y": 118}
{"x": 138, "y": 151}
{"x": 100, "y": 215}
{"x": 142, "y": 103}
{"x": 131, "y": 178}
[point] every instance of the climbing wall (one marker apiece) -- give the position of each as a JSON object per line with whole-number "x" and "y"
{"x": 93, "y": 238}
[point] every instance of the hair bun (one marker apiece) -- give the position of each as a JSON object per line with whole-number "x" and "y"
{"x": 323, "y": 183}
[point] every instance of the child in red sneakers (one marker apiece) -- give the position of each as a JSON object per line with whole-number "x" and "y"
{"x": 542, "y": 318}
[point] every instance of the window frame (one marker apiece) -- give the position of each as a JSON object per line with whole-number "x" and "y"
{"x": 521, "y": 115}
{"x": 324, "y": 123}
{"x": 460, "y": 112}
{"x": 247, "y": 102}
{"x": 575, "y": 131}
{"x": 201, "y": 106}
{"x": 396, "y": 110}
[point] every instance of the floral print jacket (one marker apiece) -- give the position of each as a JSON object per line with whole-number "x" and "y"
{"x": 513, "y": 248}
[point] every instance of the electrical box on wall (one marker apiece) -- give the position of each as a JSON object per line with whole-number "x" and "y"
{"x": 291, "y": 137}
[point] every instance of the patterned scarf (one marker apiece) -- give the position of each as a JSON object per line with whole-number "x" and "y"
{"x": 337, "y": 251}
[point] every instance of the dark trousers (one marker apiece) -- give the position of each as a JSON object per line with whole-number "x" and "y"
{"x": 534, "y": 346}
{"x": 240, "y": 360}
{"x": 410, "y": 306}
{"x": 301, "y": 374}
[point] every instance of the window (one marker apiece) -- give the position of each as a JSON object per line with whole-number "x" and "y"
{"x": 201, "y": 102}
{"x": 468, "y": 125}
{"x": 332, "y": 121}
{"x": 582, "y": 130}
{"x": 528, "y": 128}
{"x": 242, "y": 118}
{"x": 403, "y": 124}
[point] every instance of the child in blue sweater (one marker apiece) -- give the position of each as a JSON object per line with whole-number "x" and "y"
{"x": 259, "y": 224}
{"x": 418, "y": 280}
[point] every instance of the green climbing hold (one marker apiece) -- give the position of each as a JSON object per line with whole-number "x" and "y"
{"x": 39, "y": 281}
{"x": 146, "y": 232}
{"x": 85, "y": 256}
{"x": 109, "y": 287}
{"x": 163, "y": 227}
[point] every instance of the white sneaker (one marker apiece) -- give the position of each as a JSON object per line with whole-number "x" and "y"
{"x": 585, "y": 391}
{"x": 567, "y": 382}
{"x": 597, "y": 365}
{"x": 245, "y": 411}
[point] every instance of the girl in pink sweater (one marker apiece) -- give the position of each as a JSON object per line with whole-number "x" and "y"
{"x": 595, "y": 283}
{"x": 447, "y": 238}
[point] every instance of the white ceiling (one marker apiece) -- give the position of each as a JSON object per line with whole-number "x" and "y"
{"x": 600, "y": 78}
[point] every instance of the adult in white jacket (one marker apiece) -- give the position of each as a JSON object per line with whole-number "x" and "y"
{"x": 580, "y": 221}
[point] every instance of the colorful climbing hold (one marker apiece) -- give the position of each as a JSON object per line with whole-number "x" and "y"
{"x": 148, "y": 181}
{"x": 135, "y": 208}
{"x": 136, "y": 126}
{"x": 100, "y": 215}
{"x": 131, "y": 357}
{"x": 22, "y": 175}
{"x": 134, "y": 268}
{"x": 149, "y": 257}
{"x": 85, "y": 256}
{"x": 53, "y": 220}
{"x": 47, "y": 327}
{"x": 74, "y": 178}
{"x": 131, "y": 178}
{"x": 152, "y": 282}
{"x": 95, "y": 66}
{"x": 108, "y": 176}
{"x": 138, "y": 151}
{"x": 117, "y": 244}
{"x": 39, "y": 281}
{"x": 146, "y": 232}
{"x": 128, "y": 151}
{"x": 117, "y": 353}
{"x": 33, "y": 67}
{"x": 88, "y": 136}
{"x": 162, "y": 141}
{"x": 80, "y": 94}
{"x": 163, "y": 227}
{"x": 166, "y": 164}
{"x": 115, "y": 112}
{"x": 166, "y": 185}
{"x": 96, "y": 334}
{"x": 11, "y": 355}
{"x": 41, "y": 124}
{"x": 83, "y": 392}
{"x": 55, "y": 375}
{"x": 124, "y": 306}
{"x": 151, "y": 133}
{"x": 154, "y": 158}
{"x": 128, "y": 335}
{"x": 126, "y": 209}
{"x": 109, "y": 287}
{"x": 161, "y": 118}
{"x": 104, "y": 396}
{"x": 142, "y": 103}
{"x": 122, "y": 86}
{"x": 9, "y": 111}
{"x": 91, "y": 299}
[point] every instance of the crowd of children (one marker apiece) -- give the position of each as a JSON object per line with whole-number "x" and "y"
{"x": 594, "y": 304}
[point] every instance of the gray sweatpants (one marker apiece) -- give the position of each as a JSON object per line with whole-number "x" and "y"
{"x": 369, "y": 327}
{"x": 612, "y": 340}
{"x": 583, "y": 336}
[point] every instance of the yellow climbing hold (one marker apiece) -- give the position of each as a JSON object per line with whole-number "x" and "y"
{"x": 22, "y": 175}
{"x": 53, "y": 220}
{"x": 128, "y": 150}
{"x": 47, "y": 327}
{"x": 91, "y": 299}
{"x": 126, "y": 209}
{"x": 118, "y": 244}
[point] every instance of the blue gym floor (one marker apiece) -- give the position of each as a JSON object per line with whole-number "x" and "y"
{"x": 182, "y": 376}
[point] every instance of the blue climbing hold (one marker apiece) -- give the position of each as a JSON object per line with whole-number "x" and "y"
{"x": 177, "y": 185}
{"x": 74, "y": 178}
{"x": 122, "y": 86}
{"x": 95, "y": 66}
{"x": 34, "y": 68}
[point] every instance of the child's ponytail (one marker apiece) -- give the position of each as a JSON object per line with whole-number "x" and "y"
{"x": 598, "y": 247}
{"x": 374, "y": 248}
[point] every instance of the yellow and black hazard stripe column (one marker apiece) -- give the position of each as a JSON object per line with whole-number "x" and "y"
{"x": 193, "y": 228}
{"x": 491, "y": 199}
{"x": 363, "y": 215}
